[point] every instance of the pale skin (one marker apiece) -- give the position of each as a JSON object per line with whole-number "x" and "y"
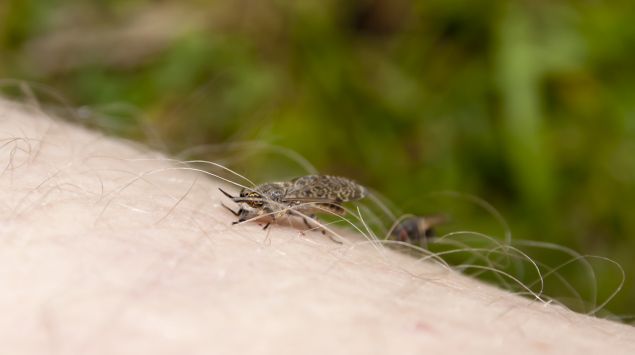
{"x": 108, "y": 248}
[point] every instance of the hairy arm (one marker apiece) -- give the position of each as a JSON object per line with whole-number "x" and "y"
{"x": 107, "y": 247}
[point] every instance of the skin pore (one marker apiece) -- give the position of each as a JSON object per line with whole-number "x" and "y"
{"x": 108, "y": 247}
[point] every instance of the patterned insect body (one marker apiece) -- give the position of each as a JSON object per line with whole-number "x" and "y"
{"x": 305, "y": 195}
{"x": 328, "y": 188}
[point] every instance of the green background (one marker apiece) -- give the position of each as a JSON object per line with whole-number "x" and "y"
{"x": 529, "y": 105}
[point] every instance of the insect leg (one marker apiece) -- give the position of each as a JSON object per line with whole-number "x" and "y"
{"x": 240, "y": 217}
{"x": 313, "y": 217}
{"x": 333, "y": 239}
{"x": 272, "y": 215}
{"x": 306, "y": 223}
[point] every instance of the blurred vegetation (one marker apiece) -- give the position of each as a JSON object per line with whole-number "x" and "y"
{"x": 529, "y": 105}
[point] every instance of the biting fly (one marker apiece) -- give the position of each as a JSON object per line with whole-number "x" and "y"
{"x": 302, "y": 196}
{"x": 416, "y": 230}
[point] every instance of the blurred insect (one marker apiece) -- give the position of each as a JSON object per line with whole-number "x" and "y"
{"x": 302, "y": 196}
{"x": 417, "y": 230}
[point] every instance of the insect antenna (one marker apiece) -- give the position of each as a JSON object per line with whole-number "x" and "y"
{"x": 226, "y": 193}
{"x": 230, "y": 210}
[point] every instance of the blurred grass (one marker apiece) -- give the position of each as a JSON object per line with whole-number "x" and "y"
{"x": 529, "y": 105}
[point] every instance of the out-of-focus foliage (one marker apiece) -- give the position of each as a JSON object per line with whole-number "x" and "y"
{"x": 529, "y": 104}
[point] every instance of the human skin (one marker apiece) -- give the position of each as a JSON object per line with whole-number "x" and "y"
{"x": 110, "y": 248}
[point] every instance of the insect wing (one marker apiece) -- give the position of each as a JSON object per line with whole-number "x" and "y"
{"x": 324, "y": 188}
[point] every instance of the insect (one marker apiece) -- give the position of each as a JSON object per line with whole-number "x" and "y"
{"x": 417, "y": 230}
{"x": 302, "y": 196}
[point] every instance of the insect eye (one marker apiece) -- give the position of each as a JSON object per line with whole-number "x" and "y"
{"x": 256, "y": 202}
